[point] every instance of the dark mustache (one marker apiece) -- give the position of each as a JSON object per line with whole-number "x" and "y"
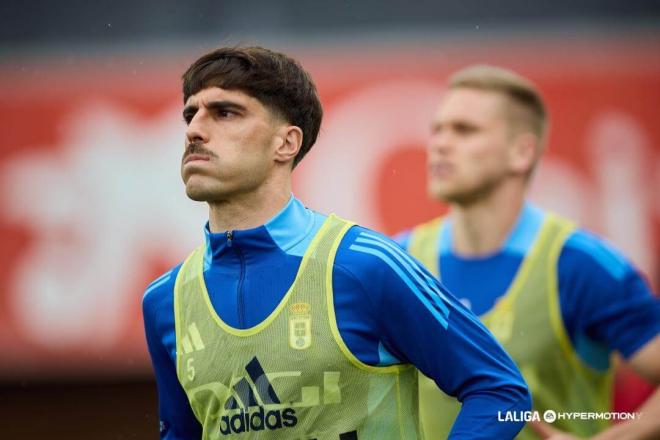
{"x": 197, "y": 148}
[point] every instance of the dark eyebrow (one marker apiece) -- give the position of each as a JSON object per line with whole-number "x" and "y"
{"x": 190, "y": 110}
{"x": 225, "y": 105}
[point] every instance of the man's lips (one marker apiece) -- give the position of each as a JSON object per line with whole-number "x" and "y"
{"x": 440, "y": 169}
{"x": 196, "y": 156}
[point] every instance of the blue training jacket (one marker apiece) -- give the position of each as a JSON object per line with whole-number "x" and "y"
{"x": 386, "y": 308}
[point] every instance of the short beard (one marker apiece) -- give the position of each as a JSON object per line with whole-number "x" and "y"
{"x": 197, "y": 196}
{"x": 203, "y": 193}
{"x": 471, "y": 196}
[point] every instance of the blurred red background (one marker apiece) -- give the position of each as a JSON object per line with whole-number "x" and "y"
{"x": 92, "y": 209}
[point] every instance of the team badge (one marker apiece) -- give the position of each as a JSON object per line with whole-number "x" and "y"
{"x": 300, "y": 326}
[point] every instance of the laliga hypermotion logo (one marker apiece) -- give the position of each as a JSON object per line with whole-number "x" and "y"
{"x": 550, "y": 416}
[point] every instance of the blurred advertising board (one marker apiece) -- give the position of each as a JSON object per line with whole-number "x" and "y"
{"x": 93, "y": 208}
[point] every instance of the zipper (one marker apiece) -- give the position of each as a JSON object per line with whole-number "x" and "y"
{"x": 239, "y": 290}
{"x": 240, "y": 297}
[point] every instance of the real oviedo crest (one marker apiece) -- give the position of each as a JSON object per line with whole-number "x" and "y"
{"x": 300, "y": 326}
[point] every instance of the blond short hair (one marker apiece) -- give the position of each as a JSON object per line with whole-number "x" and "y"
{"x": 528, "y": 110}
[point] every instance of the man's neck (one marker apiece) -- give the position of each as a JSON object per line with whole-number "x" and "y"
{"x": 250, "y": 210}
{"x": 481, "y": 227}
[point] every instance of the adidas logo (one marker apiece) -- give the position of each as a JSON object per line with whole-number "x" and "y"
{"x": 258, "y": 421}
{"x": 262, "y": 418}
{"x": 192, "y": 341}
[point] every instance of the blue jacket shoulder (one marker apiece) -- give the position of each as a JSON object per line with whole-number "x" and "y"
{"x": 159, "y": 296}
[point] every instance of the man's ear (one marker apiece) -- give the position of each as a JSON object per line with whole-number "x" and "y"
{"x": 288, "y": 143}
{"x": 522, "y": 154}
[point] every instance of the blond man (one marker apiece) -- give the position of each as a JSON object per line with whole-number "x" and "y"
{"x": 558, "y": 298}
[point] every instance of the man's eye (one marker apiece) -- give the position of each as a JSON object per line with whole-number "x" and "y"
{"x": 188, "y": 117}
{"x": 464, "y": 129}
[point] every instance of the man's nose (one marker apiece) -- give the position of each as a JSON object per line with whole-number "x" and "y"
{"x": 196, "y": 130}
{"x": 440, "y": 143}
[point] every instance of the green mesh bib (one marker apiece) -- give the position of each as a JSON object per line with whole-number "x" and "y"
{"x": 291, "y": 376}
{"x": 527, "y": 322}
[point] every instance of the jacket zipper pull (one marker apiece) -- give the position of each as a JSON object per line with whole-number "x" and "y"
{"x": 230, "y": 235}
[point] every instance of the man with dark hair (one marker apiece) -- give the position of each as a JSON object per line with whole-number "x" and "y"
{"x": 558, "y": 298}
{"x": 278, "y": 82}
{"x": 287, "y": 323}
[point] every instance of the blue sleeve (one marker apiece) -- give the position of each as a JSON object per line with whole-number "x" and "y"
{"x": 177, "y": 421}
{"x": 606, "y": 304}
{"x": 421, "y": 323}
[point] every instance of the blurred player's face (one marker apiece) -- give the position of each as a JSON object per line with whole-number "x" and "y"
{"x": 467, "y": 155}
{"x": 229, "y": 144}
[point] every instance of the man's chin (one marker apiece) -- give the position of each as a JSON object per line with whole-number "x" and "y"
{"x": 197, "y": 197}
{"x": 201, "y": 194}
{"x": 449, "y": 195}
{"x": 441, "y": 193}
